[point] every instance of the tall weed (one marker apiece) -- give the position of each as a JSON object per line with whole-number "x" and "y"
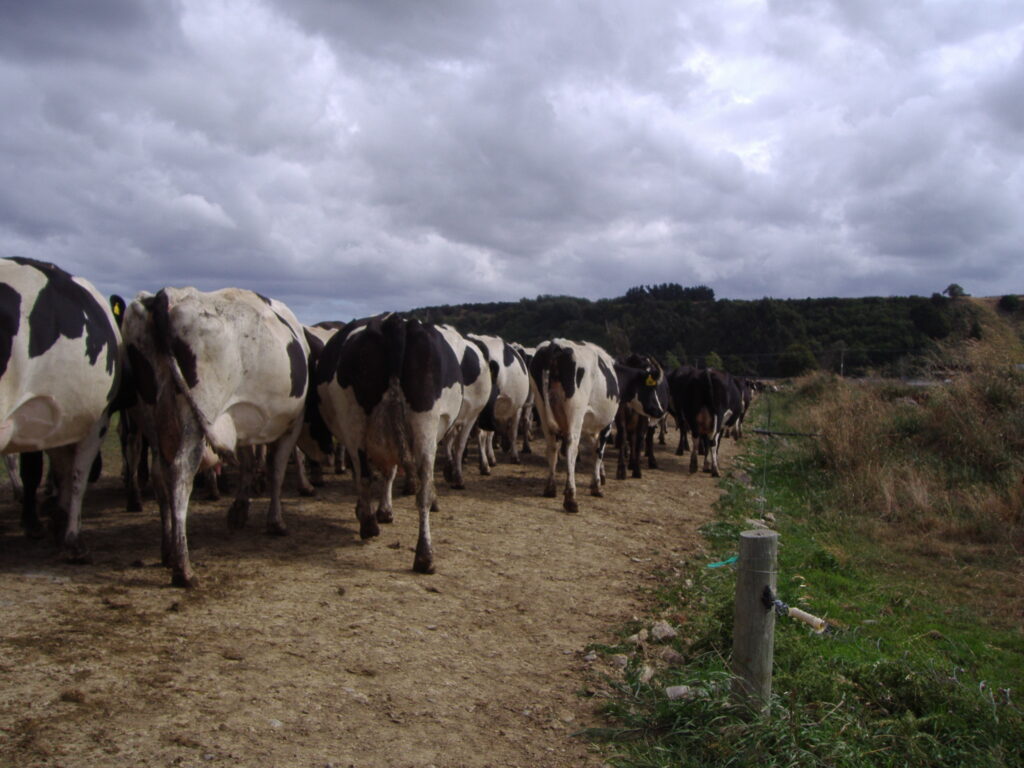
{"x": 948, "y": 458}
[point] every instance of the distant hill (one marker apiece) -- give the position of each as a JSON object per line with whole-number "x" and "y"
{"x": 765, "y": 337}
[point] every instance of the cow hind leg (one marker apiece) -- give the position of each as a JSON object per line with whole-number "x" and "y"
{"x": 302, "y": 483}
{"x": 73, "y": 465}
{"x": 238, "y": 513}
{"x": 636, "y": 450}
{"x": 424, "y": 560}
{"x": 550, "y": 490}
{"x": 485, "y": 465}
{"x": 572, "y": 449}
{"x": 30, "y": 473}
{"x": 277, "y": 466}
{"x": 652, "y": 462}
{"x": 513, "y": 439}
{"x": 598, "y": 475}
{"x": 182, "y": 476}
{"x": 385, "y": 510}
{"x": 362, "y": 475}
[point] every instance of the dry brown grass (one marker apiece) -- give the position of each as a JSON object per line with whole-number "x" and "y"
{"x": 945, "y": 461}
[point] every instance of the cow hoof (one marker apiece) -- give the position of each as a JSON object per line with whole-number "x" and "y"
{"x": 434, "y": 507}
{"x": 77, "y": 556}
{"x": 514, "y": 460}
{"x": 680, "y": 452}
{"x": 526, "y": 449}
{"x": 570, "y": 505}
{"x": 595, "y": 490}
{"x": 620, "y": 474}
{"x": 385, "y": 515}
{"x": 424, "y": 566}
{"x": 368, "y": 528}
{"x": 652, "y": 464}
{"x": 133, "y": 505}
{"x": 423, "y": 562}
{"x": 184, "y": 580}
{"x": 550, "y": 491}
{"x": 485, "y": 470}
{"x": 637, "y": 475}
{"x": 276, "y": 529}
{"x": 307, "y": 492}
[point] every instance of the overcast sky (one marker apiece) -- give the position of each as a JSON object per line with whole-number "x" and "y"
{"x": 351, "y": 157}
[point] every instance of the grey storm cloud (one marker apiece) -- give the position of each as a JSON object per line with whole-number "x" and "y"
{"x": 350, "y": 157}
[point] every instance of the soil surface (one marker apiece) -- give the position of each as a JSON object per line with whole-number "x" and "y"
{"x": 318, "y": 649}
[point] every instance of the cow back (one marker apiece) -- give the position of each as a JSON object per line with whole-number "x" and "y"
{"x": 242, "y": 359}
{"x": 60, "y": 356}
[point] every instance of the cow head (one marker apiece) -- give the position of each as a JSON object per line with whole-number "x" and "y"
{"x": 643, "y": 385}
{"x": 652, "y": 392}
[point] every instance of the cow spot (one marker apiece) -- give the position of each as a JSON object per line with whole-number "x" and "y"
{"x": 10, "y": 321}
{"x": 65, "y": 308}
{"x": 299, "y": 366}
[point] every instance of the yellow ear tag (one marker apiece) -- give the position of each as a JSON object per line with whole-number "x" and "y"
{"x": 651, "y": 382}
{"x": 117, "y": 310}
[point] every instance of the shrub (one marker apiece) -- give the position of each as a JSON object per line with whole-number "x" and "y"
{"x": 1009, "y": 303}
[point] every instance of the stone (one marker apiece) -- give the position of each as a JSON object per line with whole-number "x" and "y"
{"x": 673, "y": 657}
{"x": 662, "y": 631}
{"x": 680, "y": 693}
{"x": 639, "y": 638}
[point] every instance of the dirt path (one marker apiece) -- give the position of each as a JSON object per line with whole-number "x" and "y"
{"x": 318, "y": 649}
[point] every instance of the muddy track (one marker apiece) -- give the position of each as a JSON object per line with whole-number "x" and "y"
{"x": 319, "y": 649}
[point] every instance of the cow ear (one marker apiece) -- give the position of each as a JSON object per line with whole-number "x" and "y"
{"x": 117, "y": 306}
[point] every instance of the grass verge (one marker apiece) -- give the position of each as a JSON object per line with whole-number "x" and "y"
{"x": 910, "y": 672}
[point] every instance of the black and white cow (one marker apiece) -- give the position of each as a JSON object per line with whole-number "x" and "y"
{"x": 577, "y": 390}
{"x": 60, "y": 362}
{"x": 226, "y": 371}
{"x": 709, "y": 401}
{"x": 476, "y": 393}
{"x": 746, "y": 387}
{"x": 678, "y": 380}
{"x": 526, "y": 420}
{"x": 315, "y": 443}
{"x": 391, "y": 389}
{"x": 510, "y": 382}
{"x": 637, "y": 417}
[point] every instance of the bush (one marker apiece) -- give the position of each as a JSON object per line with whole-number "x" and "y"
{"x": 1009, "y": 303}
{"x": 796, "y": 360}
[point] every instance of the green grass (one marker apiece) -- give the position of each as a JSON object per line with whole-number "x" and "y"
{"x": 910, "y": 672}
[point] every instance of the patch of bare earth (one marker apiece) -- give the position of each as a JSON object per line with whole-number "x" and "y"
{"x": 319, "y": 649}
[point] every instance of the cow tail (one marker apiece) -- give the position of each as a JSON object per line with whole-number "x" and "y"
{"x": 554, "y": 402}
{"x": 163, "y": 338}
{"x": 389, "y": 441}
{"x": 545, "y": 397}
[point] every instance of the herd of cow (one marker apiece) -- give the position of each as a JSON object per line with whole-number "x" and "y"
{"x": 204, "y": 378}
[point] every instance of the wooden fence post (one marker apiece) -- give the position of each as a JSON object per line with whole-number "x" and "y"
{"x": 753, "y": 634}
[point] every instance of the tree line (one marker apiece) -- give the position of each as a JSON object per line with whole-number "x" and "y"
{"x": 763, "y": 337}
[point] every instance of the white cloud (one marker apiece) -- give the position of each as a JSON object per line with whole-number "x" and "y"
{"x": 350, "y": 157}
